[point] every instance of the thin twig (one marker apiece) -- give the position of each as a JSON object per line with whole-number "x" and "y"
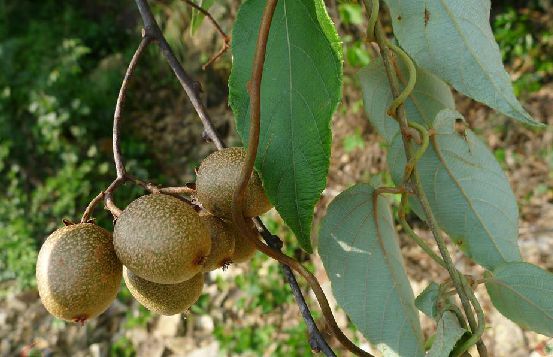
{"x": 318, "y": 343}
{"x": 110, "y": 205}
{"x": 254, "y": 89}
{"x": 226, "y": 39}
{"x": 107, "y": 196}
{"x": 148, "y": 186}
{"x": 420, "y": 242}
{"x": 184, "y": 190}
{"x": 117, "y": 156}
{"x": 219, "y": 53}
{"x": 191, "y": 87}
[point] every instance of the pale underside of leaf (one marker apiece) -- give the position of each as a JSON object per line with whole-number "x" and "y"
{"x": 448, "y": 333}
{"x": 468, "y": 192}
{"x": 523, "y": 293}
{"x": 362, "y": 258}
{"x": 300, "y": 90}
{"x": 454, "y": 40}
{"x": 427, "y": 299}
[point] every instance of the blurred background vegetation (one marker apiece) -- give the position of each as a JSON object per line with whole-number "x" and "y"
{"x": 61, "y": 65}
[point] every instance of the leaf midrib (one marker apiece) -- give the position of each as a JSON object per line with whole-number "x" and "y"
{"x": 464, "y": 194}
{"x": 299, "y": 220}
{"x": 371, "y": 216}
{"x": 521, "y": 296}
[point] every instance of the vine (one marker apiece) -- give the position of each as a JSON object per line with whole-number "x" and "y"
{"x": 397, "y": 111}
{"x": 358, "y": 206}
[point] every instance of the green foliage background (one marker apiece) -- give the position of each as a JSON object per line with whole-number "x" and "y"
{"x": 62, "y": 64}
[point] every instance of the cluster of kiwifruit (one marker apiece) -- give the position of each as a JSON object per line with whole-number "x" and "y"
{"x": 161, "y": 246}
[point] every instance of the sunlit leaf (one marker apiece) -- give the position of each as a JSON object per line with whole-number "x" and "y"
{"x": 361, "y": 255}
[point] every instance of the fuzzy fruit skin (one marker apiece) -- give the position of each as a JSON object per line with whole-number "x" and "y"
{"x": 77, "y": 272}
{"x": 218, "y": 177}
{"x": 161, "y": 239}
{"x": 222, "y": 243}
{"x": 244, "y": 250}
{"x": 164, "y": 299}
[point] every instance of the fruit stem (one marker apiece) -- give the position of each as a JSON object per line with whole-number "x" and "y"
{"x": 106, "y": 195}
{"x": 254, "y": 89}
{"x": 117, "y": 156}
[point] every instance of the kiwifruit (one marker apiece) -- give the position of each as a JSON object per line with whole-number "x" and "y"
{"x": 77, "y": 272}
{"x": 244, "y": 250}
{"x": 161, "y": 239}
{"x": 217, "y": 178}
{"x": 164, "y": 299}
{"x": 222, "y": 243}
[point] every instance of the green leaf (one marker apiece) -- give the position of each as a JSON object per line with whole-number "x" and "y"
{"x": 197, "y": 17}
{"x": 454, "y": 40}
{"x": 468, "y": 192}
{"x": 448, "y": 333}
{"x": 353, "y": 141}
{"x": 426, "y": 301}
{"x": 351, "y": 14}
{"x": 300, "y": 91}
{"x": 357, "y": 55}
{"x": 523, "y": 293}
{"x": 361, "y": 255}
{"x": 429, "y": 96}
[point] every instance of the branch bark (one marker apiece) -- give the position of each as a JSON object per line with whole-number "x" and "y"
{"x": 316, "y": 340}
{"x": 191, "y": 87}
{"x": 152, "y": 30}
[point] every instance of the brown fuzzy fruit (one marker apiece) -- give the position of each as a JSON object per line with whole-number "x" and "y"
{"x": 77, "y": 272}
{"x": 244, "y": 250}
{"x": 164, "y": 299}
{"x": 218, "y": 177}
{"x": 161, "y": 239}
{"x": 222, "y": 243}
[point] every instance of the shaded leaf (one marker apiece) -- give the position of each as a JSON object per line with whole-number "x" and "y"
{"x": 454, "y": 40}
{"x": 523, "y": 293}
{"x": 301, "y": 88}
{"x": 468, "y": 192}
{"x": 426, "y": 301}
{"x": 362, "y": 258}
{"x": 448, "y": 333}
{"x": 429, "y": 96}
